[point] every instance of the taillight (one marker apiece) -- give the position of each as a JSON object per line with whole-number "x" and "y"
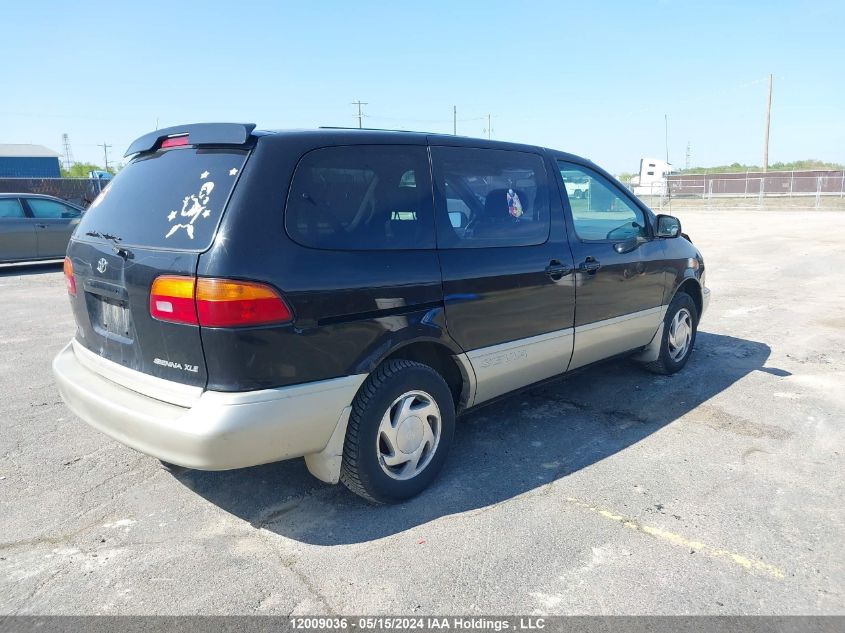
{"x": 69, "y": 278}
{"x": 172, "y": 299}
{"x": 174, "y": 141}
{"x": 229, "y": 303}
{"x": 216, "y": 302}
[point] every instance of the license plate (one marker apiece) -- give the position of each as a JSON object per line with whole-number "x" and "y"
{"x": 113, "y": 317}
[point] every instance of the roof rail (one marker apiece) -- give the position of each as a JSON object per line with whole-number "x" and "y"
{"x": 371, "y": 129}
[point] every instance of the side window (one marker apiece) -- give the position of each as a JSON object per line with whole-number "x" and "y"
{"x": 10, "y": 208}
{"x": 364, "y": 197}
{"x": 50, "y": 209}
{"x": 490, "y": 197}
{"x": 600, "y": 210}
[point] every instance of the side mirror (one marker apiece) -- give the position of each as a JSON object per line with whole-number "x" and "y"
{"x": 668, "y": 226}
{"x": 628, "y": 245}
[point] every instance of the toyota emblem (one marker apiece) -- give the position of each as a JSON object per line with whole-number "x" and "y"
{"x": 102, "y": 265}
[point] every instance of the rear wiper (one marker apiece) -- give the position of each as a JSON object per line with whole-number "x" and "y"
{"x": 124, "y": 252}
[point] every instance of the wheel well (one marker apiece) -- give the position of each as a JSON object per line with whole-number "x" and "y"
{"x": 693, "y": 289}
{"x": 440, "y": 359}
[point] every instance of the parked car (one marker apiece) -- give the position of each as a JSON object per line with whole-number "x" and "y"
{"x": 34, "y": 227}
{"x": 244, "y": 297}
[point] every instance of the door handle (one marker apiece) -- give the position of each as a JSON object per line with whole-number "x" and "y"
{"x": 556, "y": 270}
{"x": 589, "y": 265}
{"x": 41, "y": 226}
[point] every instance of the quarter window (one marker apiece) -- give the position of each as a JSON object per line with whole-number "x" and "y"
{"x": 364, "y": 197}
{"x": 10, "y": 208}
{"x": 490, "y": 198}
{"x": 600, "y": 211}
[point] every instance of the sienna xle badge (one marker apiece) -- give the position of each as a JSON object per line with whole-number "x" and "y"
{"x": 243, "y": 296}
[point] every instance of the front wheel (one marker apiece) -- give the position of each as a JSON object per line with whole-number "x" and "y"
{"x": 680, "y": 326}
{"x": 399, "y": 432}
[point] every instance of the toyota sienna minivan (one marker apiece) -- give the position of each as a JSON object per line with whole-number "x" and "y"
{"x": 243, "y": 296}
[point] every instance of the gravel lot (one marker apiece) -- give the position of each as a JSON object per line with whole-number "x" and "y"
{"x": 718, "y": 490}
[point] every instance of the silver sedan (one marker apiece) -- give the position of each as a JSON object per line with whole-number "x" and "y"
{"x": 34, "y": 227}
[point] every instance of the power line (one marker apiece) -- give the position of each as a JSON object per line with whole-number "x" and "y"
{"x": 489, "y": 128}
{"x": 360, "y": 112}
{"x": 105, "y": 154}
{"x": 379, "y": 117}
{"x": 768, "y": 121}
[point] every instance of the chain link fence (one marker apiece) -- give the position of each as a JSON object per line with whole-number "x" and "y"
{"x": 775, "y": 190}
{"x": 80, "y": 191}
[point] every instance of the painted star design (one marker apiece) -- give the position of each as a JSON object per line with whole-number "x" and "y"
{"x": 233, "y": 171}
{"x": 171, "y": 216}
{"x": 204, "y": 175}
{"x": 206, "y": 213}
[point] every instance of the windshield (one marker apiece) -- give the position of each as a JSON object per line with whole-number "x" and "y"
{"x": 171, "y": 199}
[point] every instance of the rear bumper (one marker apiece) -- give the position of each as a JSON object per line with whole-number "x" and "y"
{"x": 219, "y": 431}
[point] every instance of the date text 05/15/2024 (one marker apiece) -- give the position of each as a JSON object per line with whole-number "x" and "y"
{"x": 417, "y": 623}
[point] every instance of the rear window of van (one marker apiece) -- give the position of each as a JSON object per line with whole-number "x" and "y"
{"x": 171, "y": 199}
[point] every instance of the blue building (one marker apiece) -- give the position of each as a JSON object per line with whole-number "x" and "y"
{"x": 28, "y": 161}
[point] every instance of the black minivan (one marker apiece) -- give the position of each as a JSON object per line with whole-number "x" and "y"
{"x": 243, "y": 296}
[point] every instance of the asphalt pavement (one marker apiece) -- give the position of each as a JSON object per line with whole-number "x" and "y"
{"x": 614, "y": 491}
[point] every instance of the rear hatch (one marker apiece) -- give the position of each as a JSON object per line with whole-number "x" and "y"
{"x": 155, "y": 218}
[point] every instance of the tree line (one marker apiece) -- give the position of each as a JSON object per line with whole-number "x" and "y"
{"x": 81, "y": 170}
{"x": 795, "y": 165}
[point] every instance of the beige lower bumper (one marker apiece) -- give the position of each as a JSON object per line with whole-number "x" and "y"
{"x": 221, "y": 431}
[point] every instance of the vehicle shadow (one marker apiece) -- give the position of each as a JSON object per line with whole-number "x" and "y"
{"x": 521, "y": 443}
{"x": 21, "y": 269}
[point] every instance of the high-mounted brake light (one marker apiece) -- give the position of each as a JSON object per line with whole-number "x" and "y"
{"x": 69, "y": 278}
{"x": 216, "y": 302}
{"x": 174, "y": 141}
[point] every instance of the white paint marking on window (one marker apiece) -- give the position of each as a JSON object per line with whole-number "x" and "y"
{"x": 193, "y": 206}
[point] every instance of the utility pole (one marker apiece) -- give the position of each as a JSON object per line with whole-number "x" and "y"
{"x": 489, "y": 129}
{"x": 360, "y": 112}
{"x": 666, "y": 134}
{"x": 106, "y": 154}
{"x": 68, "y": 153}
{"x": 455, "y": 120}
{"x": 686, "y": 163}
{"x": 768, "y": 120}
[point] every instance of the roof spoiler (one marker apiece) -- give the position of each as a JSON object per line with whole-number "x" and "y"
{"x": 199, "y": 133}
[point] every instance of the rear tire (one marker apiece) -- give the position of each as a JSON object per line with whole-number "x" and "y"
{"x": 680, "y": 326}
{"x": 399, "y": 433}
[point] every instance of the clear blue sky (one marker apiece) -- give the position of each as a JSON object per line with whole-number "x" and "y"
{"x": 591, "y": 78}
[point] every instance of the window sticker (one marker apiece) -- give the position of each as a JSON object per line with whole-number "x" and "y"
{"x": 194, "y": 206}
{"x": 514, "y": 204}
